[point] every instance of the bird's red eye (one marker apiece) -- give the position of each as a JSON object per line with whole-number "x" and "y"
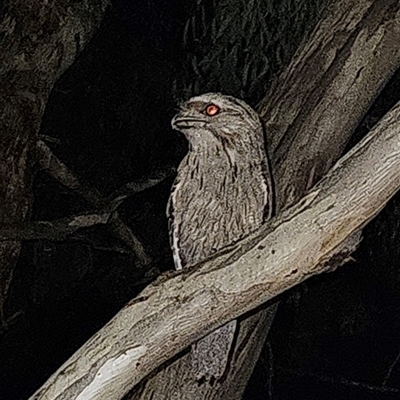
{"x": 212, "y": 110}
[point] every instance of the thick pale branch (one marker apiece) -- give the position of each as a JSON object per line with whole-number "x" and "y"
{"x": 176, "y": 311}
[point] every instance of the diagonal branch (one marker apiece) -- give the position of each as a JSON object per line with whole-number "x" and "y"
{"x": 182, "y": 307}
{"x": 51, "y": 230}
{"x": 59, "y": 171}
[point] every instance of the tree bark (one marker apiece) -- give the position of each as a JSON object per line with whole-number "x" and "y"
{"x": 40, "y": 40}
{"x": 170, "y": 314}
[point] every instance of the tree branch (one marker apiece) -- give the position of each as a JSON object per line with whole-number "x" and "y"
{"x": 59, "y": 171}
{"x": 180, "y": 308}
{"x": 133, "y": 188}
{"x": 51, "y": 230}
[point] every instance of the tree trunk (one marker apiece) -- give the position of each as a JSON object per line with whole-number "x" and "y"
{"x": 40, "y": 40}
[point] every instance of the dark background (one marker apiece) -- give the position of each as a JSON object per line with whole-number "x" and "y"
{"x": 108, "y": 119}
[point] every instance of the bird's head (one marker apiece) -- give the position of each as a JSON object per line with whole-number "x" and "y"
{"x": 222, "y": 117}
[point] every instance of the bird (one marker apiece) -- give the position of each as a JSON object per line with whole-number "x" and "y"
{"x": 223, "y": 191}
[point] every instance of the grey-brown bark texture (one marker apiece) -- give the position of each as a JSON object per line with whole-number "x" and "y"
{"x": 39, "y": 40}
{"x": 310, "y": 114}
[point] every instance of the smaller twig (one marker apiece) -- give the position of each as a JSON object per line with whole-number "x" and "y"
{"x": 270, "y": 368}
{"x": 94, "y": 246}
{"x": 62, "y": 174}
{"x": 343, "y": 381}
{"x": 49, "y": 139}
{"x": 389, "y": 373}
{"x": 52, "y": 230}
{"x": 6, "y": 324}
{"x": 62, "y": 228}
{"x": 123, "y": 232}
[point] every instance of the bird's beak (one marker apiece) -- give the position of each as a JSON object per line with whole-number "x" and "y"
{"x": 181, "y": 121}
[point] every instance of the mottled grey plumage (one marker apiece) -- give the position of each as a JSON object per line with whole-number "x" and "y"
{"x": 222, "y": 192}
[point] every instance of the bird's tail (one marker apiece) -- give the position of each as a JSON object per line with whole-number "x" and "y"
{"x": 210, "y": 354}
